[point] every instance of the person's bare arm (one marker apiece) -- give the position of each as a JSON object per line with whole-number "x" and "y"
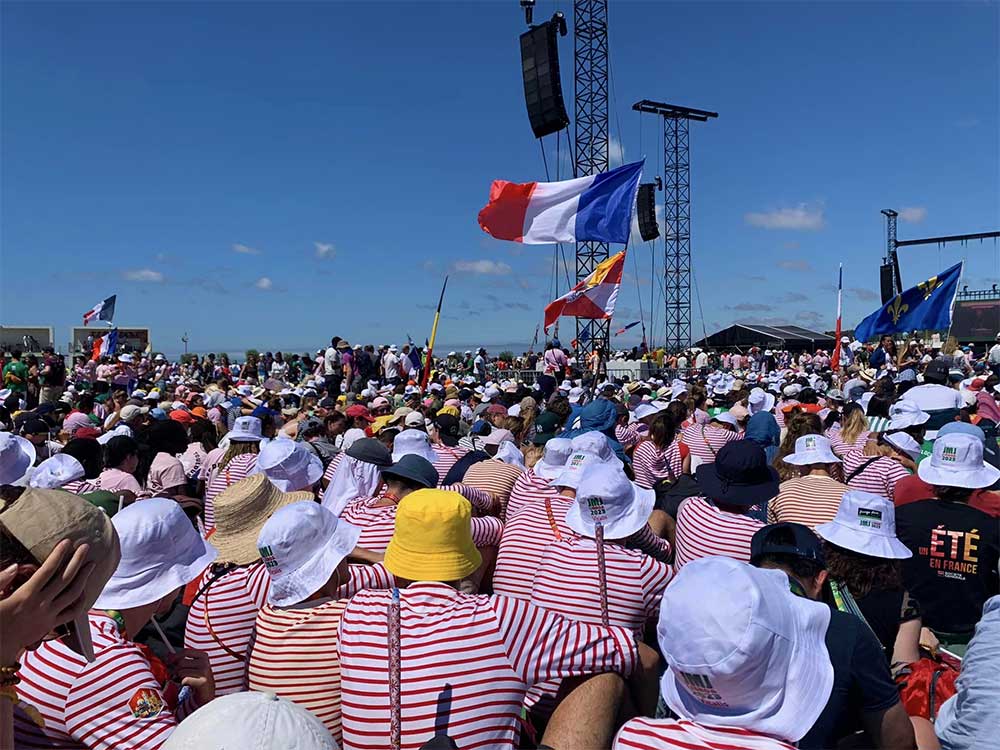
{"x": 890, "y": 729}
{"x": 906, "y": 649}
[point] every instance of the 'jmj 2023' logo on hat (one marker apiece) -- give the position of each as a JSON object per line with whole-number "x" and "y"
{"x": 810, "y": 443}
{"x": 949, "y": 454}
{"x": 871, "y": 519}
{"x": 597, "y": 510}
{"x": 702, "y": 689}
{"x": 270, "y": 561}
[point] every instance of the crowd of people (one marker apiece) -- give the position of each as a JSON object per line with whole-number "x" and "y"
{"x": 745, "y": 550}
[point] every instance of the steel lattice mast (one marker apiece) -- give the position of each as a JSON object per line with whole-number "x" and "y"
{"x": 590, "y": 94}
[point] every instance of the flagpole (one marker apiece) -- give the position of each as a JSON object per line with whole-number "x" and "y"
{"x": 835, "y": 361}
{"x": 430, "y": 344}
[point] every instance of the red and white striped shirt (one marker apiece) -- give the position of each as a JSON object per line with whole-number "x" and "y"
{"x": 529, "y": 489}
{"x": 809, "y": 500}
{"x": 628, "y": 435}
{"x": 80, "y": 486}
{"x": 526, "y": 534}
{"x": 446, "y": 458}
{"x": 475, "y": 655}
{"x": 705, "y": 440}
{"x": 779, "y": 411}
{"x": 534, "y": 527}
{"x": 332, "y": 468}
{"x": 220, "y": 621}
{"x": 878, "y": 476}
{"x": 378, "y": 522}
{"x": 567, "y": 582}
{"x": 294, "y": 651}
{"x": 221, "y": 477}
{"x": 495, "y": 477}
{"x": 112, "y": 703}
{"x": 704, "y": 530}
{"x": 651, "y": 464}
{"x": 842, "y": 448}
{"x": 681, "y": 734}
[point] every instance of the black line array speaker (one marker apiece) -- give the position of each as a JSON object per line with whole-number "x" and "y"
{"x": 645, "y": 210}
{"x": 885, "y": 281}
{"x": 542, "y": 84}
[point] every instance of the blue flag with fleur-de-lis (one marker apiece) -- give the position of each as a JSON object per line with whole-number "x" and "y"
{"x": 925, "y": 307}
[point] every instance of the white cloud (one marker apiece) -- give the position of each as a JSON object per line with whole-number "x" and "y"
{"x": 143, "y": 274}
{"x": 484, "y": 267}
{"x": 263, "y": 283}
{"x": 245, "y": 249}
{"x": 795, "y": 265}
{"x": 913, "y": 214}
{"x": 801, "y": 217}
{"x": 324, "y": 249}
{"x": 616, "y": 152}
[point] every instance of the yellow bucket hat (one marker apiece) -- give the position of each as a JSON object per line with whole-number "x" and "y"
{"x": 433, "y": 538}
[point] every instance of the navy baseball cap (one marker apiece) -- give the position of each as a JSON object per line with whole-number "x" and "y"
{"x": 786, "y": 539}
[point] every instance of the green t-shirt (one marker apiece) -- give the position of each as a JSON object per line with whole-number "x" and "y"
{"x": 15, "y": 376}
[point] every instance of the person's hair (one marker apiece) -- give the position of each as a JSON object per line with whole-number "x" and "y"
{"x": 800, "y": 567}
{"x": 878, "y": 407}
{"x": 662, "y": 429}
{"x": 831, "y": 418}
{"x": 529, "y": 411}
{"x": 238, "y": 448}
{"x": 204, "y": 432}
{"x": 798, "y": 425}
{"x": 953, "y": 494}
{"x": 119, "y": 448}
{"x": 334, "y": 416}
{"x": 808, "y": 396}
{"x": 560, "y": 406}
{"x": 406, "y": 483}
{"x": 85, "y": 403}
{"x": 88, "y": 453}
{"x": 159, "y": 437}
{"x": 852, "y": 422}
{"x": 678, "y": 412}
{"x": 862, "y": 574}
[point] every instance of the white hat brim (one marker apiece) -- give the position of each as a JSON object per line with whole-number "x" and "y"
{"x": 635, "y": 517}
{"x": 863, "y": 542}
{"x": 984, "y": 476}
{"x": 150, "y": 585}
{"x": 806, "y": 458}
{"x": 19, "y": 468}
{"x": 306, "y": 580}
{"x": 808, "y": 684}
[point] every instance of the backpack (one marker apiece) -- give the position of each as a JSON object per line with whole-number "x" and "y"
{"x": 924, "y": 685}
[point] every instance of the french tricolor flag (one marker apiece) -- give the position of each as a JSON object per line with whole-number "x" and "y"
{"x": 597, "y": 208}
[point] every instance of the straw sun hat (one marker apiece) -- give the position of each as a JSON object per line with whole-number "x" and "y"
{"x": 240, "y": 512}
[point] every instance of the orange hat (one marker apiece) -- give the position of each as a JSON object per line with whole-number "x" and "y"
{"x": 184, "y": 417}
{"x": 199, "y": 411}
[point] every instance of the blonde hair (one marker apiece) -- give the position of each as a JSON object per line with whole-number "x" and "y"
{"x": 854, "y": 424}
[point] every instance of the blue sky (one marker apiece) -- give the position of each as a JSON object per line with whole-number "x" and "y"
{"x": 270, "y": 174}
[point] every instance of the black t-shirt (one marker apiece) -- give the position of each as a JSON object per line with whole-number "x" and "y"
{"x": 547, "y": 385}
{"x": 884, "y": 611}
{"x": 861, "y": 682}
{"x": 953, "y": 570}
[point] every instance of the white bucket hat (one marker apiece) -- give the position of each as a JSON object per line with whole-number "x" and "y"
{"x": 760, "y": 400}
{"x": 56, "y": 471}
{"x": 413, "y": 442}
{"x": 812, "y": 449}
{"x": 648, "y": 409}
{"x": 301, "y": 545}
{"x": 290, "y": 466}
{"x": 16, "y": 456}
{"x": 572, "y": 471}
{"x": 161, "y": 552}
{"x": 554, "y": 457}
{"x": 350, "y": 437}
{"x": 905, "y": 414}
{"x": 251, "y": 719}
{"x": 596, "y": 443}
{"x": 906, "y": 443}
{"x": 727, "y": 418}
{"x": 575, "y": 394}
{"x": 865, "y": 523}
{"x": 605, "y": 495}
{"x": 742, "y": 650}
{"x": 957, "y": 461}
{"x": 245, "y": 429}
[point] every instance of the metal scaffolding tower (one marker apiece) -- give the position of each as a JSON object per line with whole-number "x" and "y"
{"x": 590, "y": 93}
{"x": 677, "y": 216}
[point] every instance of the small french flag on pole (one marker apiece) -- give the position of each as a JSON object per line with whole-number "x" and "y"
{"x": 597, "y": 208}
{"x": 104, "y": 310}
